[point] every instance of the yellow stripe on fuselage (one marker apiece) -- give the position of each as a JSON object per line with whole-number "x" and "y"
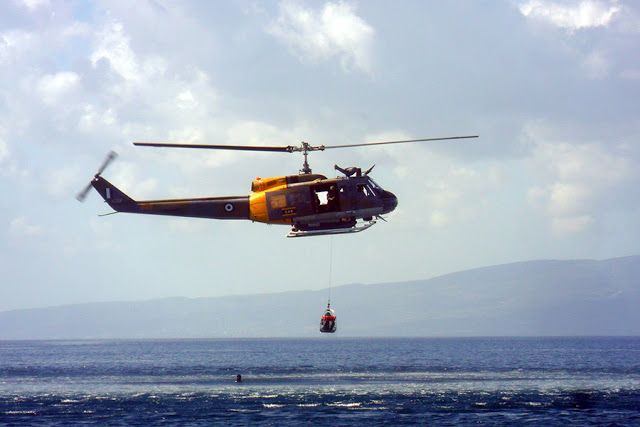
{"x": 258, "y": 209}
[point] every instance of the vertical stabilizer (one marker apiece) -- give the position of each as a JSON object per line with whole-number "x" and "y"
{"x": 113, "y": 196}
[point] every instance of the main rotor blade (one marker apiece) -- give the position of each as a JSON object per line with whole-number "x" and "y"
{"x": 399, "y": 142}
{"x": 287, "y": 149}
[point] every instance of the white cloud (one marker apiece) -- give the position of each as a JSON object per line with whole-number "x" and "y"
{"x": 103, "y": 234}
{"x": 93, "y": 118}
{"x": 568, "y": 198}
{"x": 126, "y": 177}
{"x": 52, "y": 87}
{"x": 20, "y": 227}
{"x": 438, "y": 219}
{"x": 33, "y": 4}
{"x": 75, "y": 29}
{"x": 8, "y": 165}
{"x": 62, "y": 182}
{"x": 335, "y": 31}
{"x": 582, "y": 180}
{"x": 597, "y": 164}
{"x": 561, "y": 227}
{"x": 113, "y": 44}
{"x": 572, "y": 16}
{"x": 630, "y": 74}
{"x": 4, "y": 151}
{"x": 597, "y": 65}
{"x": 186, "y": 101}
{"x": 139, "y": 86}
{"x": 15, "y": 44}
{"x": 451, "y": 195}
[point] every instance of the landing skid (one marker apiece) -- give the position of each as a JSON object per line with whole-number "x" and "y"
{"x": 355, "y": 229}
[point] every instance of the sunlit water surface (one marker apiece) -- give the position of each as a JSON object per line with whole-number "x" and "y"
{"x": 329, "y": 380}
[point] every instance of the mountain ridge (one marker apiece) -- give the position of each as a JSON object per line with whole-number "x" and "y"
{"x": 529, "y": 298}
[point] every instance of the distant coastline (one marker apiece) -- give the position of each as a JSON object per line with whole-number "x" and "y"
{"x": 527, "y": 299}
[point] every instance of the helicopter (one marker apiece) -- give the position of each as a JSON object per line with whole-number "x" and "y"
{"x": 311, "y": 204}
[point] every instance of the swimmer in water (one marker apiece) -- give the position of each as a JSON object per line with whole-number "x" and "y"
{"x": 238, "y": 378}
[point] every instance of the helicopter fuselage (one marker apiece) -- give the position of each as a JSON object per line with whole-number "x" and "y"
{"x": 314, "y": 202}
{"x": 311, "y": 203}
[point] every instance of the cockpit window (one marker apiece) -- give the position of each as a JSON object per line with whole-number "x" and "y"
{"x": 367, "y": 189}
{"x": 374, "y": 185}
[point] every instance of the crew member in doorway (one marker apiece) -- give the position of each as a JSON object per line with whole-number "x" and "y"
{"x": 332, "y": 198}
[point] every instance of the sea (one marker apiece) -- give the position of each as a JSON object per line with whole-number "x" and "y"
{"x": 329, "y": 381}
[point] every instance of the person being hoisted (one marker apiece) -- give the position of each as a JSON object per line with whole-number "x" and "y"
{"x": 328, "y": 321}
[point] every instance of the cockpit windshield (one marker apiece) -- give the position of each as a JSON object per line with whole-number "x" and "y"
{"x": 373, "y": 184}
{"x": 369, "y": 188}
{"x": 366, "y": 189}
{"x": 376, "y": 188}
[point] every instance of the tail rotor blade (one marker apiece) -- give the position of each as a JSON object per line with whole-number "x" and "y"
{"x": 110, "y": 157}
{"x": 83, "y": 194}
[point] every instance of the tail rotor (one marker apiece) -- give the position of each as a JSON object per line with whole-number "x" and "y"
{"x": 110, "y": 157}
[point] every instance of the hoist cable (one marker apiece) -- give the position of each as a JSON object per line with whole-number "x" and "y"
{"x": 330, "y": 267}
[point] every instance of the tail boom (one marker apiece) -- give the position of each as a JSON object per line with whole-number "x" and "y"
{"x": 209, "y": 207}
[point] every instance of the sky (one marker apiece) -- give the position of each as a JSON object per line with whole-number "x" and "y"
{"x": 552, "y": 88}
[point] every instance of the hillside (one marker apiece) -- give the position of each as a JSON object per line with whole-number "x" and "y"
{"x": 582, "y": 297}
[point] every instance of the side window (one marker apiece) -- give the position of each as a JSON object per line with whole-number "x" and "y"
{"x": 278, "y": 202}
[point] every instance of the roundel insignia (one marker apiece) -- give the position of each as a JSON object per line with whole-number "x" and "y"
{"x": 228, "y": 207}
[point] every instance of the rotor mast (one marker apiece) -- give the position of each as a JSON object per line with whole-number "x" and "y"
{"x": 305, "y": 148}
